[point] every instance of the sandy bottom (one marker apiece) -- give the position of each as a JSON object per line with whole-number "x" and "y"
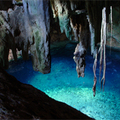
{"x": 63, "y": 85}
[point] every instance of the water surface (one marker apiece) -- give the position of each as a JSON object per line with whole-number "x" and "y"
{"x": 63, "y": 84}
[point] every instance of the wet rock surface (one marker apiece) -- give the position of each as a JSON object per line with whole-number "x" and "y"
{"x": 22, "y": 101}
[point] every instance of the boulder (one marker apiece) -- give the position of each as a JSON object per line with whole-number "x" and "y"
{"x": 22, "y": 101}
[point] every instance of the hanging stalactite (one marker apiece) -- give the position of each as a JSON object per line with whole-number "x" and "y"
{"x": 92, "y": 38}
{"x": 80, "y": 27}
{"x": 102, "y": 54}
{"x": 103, "y": 32}
{"x": 37, "y": 22}
{"x": 61, "y": 10}
{"x": 79, "y": 58}
{"x": 111, "y": 21}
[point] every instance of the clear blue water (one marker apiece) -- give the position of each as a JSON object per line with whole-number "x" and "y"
{"x": 63, "y": 84}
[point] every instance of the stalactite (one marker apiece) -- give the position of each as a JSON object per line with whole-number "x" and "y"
{"x": 17, "y": 23}
{"x": 92, "y": 40}
{"x": 72, "y": 14}
{"x": 104, "y": 48}
{"x": 81, "y": 29}
{"x": 95, "y": 78}
{"x": 101, "y": 55}
{"x": 79, "y": 58}
{"x": 37, "y": 26}
{"x": 111, "y": 26}
{"x": 101, "y": 49}
{"x": 73, "y": 4}
{"x": 61, "y": 10}
{"x": 93, "y": 8}
{"x": 74, "y": 28}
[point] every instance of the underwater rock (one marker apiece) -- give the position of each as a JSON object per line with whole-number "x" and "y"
{"x": 22, "y": 101}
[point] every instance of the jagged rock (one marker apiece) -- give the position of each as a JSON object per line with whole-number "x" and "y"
{"x": 6, "y": 40}
{"x": 21, "y": 101}
{"x": 19, "y": 31}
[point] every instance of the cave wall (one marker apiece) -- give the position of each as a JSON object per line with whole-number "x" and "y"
{"x": 7, "y": 40}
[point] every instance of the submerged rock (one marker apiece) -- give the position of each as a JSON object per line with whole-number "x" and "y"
{"x": 22, "y": 101}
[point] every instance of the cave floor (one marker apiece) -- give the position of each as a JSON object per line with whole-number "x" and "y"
{"x": 63, "y": 85}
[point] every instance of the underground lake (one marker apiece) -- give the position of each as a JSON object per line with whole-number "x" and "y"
{"x": 63, "y": 84}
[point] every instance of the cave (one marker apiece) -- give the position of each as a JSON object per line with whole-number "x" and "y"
{"x": 59, "y": 59}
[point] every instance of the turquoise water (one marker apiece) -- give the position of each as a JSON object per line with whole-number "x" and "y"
{"x": 63, "y": 84}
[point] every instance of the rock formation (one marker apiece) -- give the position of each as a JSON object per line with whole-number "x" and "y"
{"x": 21, "y": 101}
{"x": 7, "y": 40}
{"x": 79, "y": 58}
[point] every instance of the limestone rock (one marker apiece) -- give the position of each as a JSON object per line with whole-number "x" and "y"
{"x": 6, "y": 40}
{"x": 27, "y": 28}
{"x": 37, "y": 19}
{"x": 21, "y": 101}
